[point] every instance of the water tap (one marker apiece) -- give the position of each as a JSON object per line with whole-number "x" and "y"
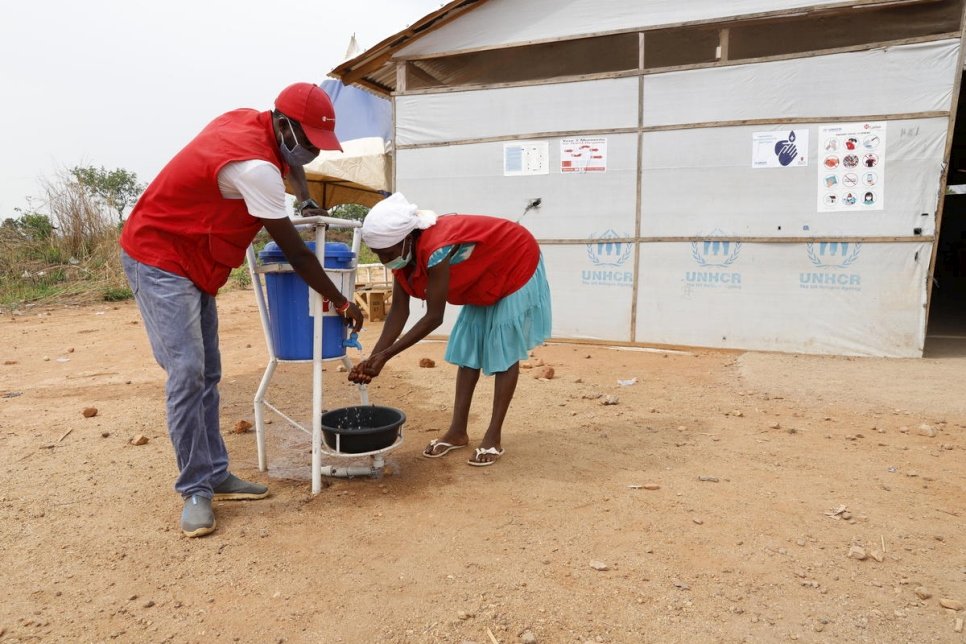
{"x": 353, "y": 341}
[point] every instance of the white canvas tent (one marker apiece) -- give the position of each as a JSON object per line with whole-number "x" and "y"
{"x": 751, "y": 174}
{"x": 362, "y": 172}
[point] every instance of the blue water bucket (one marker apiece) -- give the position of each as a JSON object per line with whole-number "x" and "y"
{"x": 288, "y": 305}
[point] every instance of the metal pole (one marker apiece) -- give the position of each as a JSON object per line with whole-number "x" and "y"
{"x": 317, "y": 368}
{"x": 272, "y": 362}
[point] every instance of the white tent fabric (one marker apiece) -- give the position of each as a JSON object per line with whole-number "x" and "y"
{"x": 355, "y": 175}
{"x": 453, "y": 116}
{"x": 509, "y": 22}
{"x": 897, "y": 80}
{"x": 855, "y": 299}
{"x": 572, "y": 207}
{"x": 685, "y": 170}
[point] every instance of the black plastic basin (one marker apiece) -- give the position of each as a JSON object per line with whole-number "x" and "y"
{"x": 361, "y": 429}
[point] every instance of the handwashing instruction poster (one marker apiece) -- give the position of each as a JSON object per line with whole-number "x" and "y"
{"x": 851, "y": 168}
{"x": 779, "y": 149}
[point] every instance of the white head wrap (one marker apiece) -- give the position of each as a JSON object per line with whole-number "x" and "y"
{"x": 392, "y": 219}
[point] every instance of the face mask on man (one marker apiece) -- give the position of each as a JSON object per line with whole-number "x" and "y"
{"x": 299, "y": 154}
{"x": 400, "y": 262}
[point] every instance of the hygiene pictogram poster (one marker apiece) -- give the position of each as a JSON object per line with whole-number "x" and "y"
{"x": 779, "y": 149}
{"x": 583, "y": 154}
{"x": 523, "y": 158}
{"x": 851, "y": 167}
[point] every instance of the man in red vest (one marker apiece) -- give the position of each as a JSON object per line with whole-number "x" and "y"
{"x": 188, "y": 231}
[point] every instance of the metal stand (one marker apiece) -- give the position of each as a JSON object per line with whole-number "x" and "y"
{"x": 318, "y": 226}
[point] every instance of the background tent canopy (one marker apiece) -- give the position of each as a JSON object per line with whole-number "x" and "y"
{"x": 361, "y": 172}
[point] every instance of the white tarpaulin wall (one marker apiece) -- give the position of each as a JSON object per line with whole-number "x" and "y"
{"x": 684, "y": 170}
{"x": 858, "y": 297}
{"x": 506, "y": 22}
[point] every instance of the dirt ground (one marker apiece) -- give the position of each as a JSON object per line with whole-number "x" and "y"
{"x": 718, "y": 500}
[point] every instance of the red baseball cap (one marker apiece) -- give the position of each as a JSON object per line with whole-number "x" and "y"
{"x": 311, "y": 107}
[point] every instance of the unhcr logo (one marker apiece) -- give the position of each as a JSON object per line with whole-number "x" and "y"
{"x": 714, "y": 254}
{"x": 830, "y": 256}
{"x": 608, "y": 255}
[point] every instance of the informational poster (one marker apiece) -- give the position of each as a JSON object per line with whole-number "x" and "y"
{"x": 779, "y": 149}
{"x": 851, "y": 168}
{"x": 583, "y": 154}
{"x": 522, "y": 158}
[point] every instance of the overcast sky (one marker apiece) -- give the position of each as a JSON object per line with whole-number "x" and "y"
{"x": 127, "y": 83}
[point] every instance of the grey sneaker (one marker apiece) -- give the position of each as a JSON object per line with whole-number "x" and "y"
{"x": 197, "y": 518}
{"x": 235, "y": 489}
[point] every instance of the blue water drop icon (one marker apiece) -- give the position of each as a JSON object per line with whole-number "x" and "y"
{"x": 786, "y": 150}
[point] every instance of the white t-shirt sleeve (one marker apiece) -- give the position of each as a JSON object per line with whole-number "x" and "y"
{"x": 259, "y": 183}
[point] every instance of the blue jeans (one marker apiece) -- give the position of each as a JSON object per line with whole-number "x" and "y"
{"x": 182, "y": 325}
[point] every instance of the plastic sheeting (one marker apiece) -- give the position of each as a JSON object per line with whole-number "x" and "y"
{"x": 469, "y": 179}
{"x": 434, "y": 118}
{"x": 897, "y": 80}
{"x": 360, "y": 174}
{"x": 508, "y": 22}
{"x": 700, "y": 180}
{"x": 359, "y": 114}
{"x": 853, "y": 299}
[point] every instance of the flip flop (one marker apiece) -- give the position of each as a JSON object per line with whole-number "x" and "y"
{"x": 489, "y": 451}
{"x": 433, "y": 444}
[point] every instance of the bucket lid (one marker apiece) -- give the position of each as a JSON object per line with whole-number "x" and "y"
{"x": 272, "y": 254}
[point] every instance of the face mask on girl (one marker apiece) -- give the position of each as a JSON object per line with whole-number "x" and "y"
{"x": 400, "y": 262}
{"x": 297, "y": 155}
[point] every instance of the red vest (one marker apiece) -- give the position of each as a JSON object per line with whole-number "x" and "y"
{"x": 182, "y": 224}
{"x": 504, "y": 259}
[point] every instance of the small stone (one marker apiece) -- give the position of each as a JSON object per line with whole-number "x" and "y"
{"x": 528, "y": 638}
{"x": 800, "y": 541}
{"x": 857, "y": 552}
{"x": 464, "y": 615}
{"x": 139, "y": 439}
{"x": 546, "y": 373}
{"x": 708, "y": 479}
{"x": 132, "y": 598}
{"x": 651, "y": 486}
{"x": 737, "y": 413}
{"x": 526, "y": 365}
{"x": 105, "y": 434}
{"x": 89, "y": 412}
{"x": 912, "y": 473}
{"x": 775, "y": 426}
{"x": 277, "y": 595}
{"x": 903, "y": 429}
{"x": 341, "y": 368}
{"x": 927, "y": 430}
{"x": 610, "y": 400}
{"x": 9, "y": 362}
{"x": 149, "y": 603}
{"x": 951, "y": 604}
{"x": 846, "y": 515}
{"x": 427, "y": 363}
{"x": 698, "y": 521}
{"x": 875, "y": 554}
{"x": 599, "y": 565}
{"x": 958, "y": 627}
{"x": 923, "y": 593}
{"x": 242, "y": 426}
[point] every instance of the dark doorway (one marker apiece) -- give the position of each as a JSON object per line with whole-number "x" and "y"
{"x": 947, "y": 310}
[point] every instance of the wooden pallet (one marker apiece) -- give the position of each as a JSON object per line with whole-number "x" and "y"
{"x": 374, "y": 302}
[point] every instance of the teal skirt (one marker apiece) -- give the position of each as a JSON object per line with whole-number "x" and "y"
{"x": 493, "y": 338}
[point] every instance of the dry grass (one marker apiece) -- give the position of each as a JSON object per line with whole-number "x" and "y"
{"x": 77, "y": 260}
